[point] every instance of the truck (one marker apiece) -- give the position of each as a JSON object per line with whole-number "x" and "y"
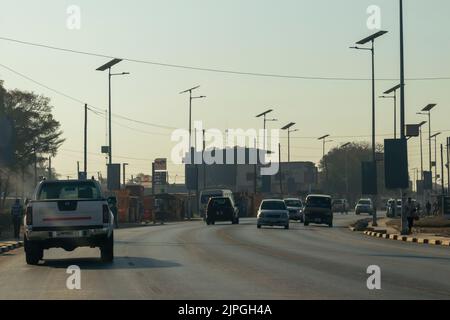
{"x": 68, "y": 214}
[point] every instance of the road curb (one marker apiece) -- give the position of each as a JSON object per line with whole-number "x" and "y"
{"x": 10, "y": 245}
{"x": 398, "y": 237}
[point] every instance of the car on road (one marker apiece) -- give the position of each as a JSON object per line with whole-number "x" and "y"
{"x": 68, "y": 214}
{"x": 273, "y": 212}
{"x": 340, "y": 205}
{"x": 364, "y": 206}
{"x": 221, "y": 209}
{"x": 318, "y": 210}
{"x": 295, "y": 208}
{"x": 207, "y": 194}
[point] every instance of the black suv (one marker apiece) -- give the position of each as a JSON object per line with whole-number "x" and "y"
{"x": 318, "y": 210}
{"x": 221, "y": 209}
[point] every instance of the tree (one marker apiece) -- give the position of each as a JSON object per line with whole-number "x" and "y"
{"x": 345, "y": 163}
{"x": 35, "y": 134}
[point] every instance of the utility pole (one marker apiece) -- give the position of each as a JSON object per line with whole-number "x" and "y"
{"x": 448, "y": 166}
{"x": 203, "y": 160}
{"x": 442, "y": 170}
{"x": 78, "y": 169}
{"x": 254, "y": 169}
{"x": 404, "y": 222}
{"x": 279, "y": 169}
{"x": 85, "y": 138}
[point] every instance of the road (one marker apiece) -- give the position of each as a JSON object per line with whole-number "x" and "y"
{"x": 189, "y": 260}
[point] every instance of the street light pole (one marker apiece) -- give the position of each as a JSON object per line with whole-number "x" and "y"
{"x": 108, "y": 67}
{"x": 371, "y": 39}
{"x": 394, "y": 96}
{"x": 288, "y": 128}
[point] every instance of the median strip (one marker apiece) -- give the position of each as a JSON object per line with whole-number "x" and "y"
{"x": 10, "y": 245}
{"x": 418, "y": 240}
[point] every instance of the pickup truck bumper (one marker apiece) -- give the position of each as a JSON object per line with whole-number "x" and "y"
{"x": 68, "y": 238}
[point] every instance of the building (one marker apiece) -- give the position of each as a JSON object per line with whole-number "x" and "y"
{"x": 245, "y": 176}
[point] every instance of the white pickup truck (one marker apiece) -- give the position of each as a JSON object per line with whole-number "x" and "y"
{"x": 68, "y": 214}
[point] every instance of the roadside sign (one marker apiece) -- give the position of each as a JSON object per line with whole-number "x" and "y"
{"x": 160, "y": 177}
{"x": 160, "y": 164}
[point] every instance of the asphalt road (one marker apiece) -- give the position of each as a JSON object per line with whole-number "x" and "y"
{"x": 189, "y": 260}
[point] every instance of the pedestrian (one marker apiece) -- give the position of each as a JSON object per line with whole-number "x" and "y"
{"x": 393, "y": 208}
{"x": 428, "y": 207}
{"x": 16, "y": 214}
{"x": 410, "y": 214}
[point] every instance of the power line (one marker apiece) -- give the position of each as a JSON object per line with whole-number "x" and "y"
{"x": 91, "y": 108}
{"x": 100, "y": 112}
{"x": 215, "y": 70}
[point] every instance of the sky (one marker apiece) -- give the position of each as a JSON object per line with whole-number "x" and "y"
{"x": 287, "y": 37}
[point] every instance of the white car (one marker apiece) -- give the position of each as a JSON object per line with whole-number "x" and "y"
{"x": 273, "y": 212}
{"x": 68, "y": 214}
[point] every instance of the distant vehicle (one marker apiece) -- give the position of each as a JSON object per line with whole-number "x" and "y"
{"x": 318, "y": 210}
{"x": 273, "y": 212}
{"x": 364, "y": 206}
{"x": 205, "y": 195}
{"x": 295, "y": 208}
{"x": 221, "y": 209}
{"x": 340, "y": 205}
{"x": 68, "y": 214}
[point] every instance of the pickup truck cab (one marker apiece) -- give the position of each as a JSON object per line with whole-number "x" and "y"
{"x": 318, "y": 210}
{"x": 68, "y": 214}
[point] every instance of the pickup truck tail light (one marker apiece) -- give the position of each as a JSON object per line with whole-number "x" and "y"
{"x": 29, "y": 216}
{"x": 105, "y": 213}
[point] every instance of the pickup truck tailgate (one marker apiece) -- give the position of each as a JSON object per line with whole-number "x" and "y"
{"x": 67, "y": 213}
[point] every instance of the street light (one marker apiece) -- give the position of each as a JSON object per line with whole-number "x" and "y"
{"x": 190, "y": 110}
{"x": 394, "y": 97}
{"x": 427, "y": 112}
{"x": 264, "y": 115}
{"x": 435, "y": 156}
{"x": 288, "y": 128}
{"x": 344, "y": 146}
{"x": 323, "y": 138}
{"x": 371, "y": 40}
{"x": 108, "y": 67}
{"x": 421, "y": 148}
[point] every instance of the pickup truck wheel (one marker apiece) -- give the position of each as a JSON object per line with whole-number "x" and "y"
{"x": 107, "y": 249}
{"x": 33, "y": 253}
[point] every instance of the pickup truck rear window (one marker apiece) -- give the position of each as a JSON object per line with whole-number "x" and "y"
{"x": 69, "y": 191}
{"x": 318, "y": 202}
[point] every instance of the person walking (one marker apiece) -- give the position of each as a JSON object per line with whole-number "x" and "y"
{"x": 410, "y": 214}
{"x": 428, "y": 207}
{"x": 16, "y": 215}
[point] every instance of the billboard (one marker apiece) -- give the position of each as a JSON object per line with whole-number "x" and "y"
{"x": 160, "y": 164}
{"x": 113, "y": 176}
{"x": 160, "y": 177}
{"x": 396, "y": 164}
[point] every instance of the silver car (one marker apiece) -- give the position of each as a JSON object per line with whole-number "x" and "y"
{"x": 273, "y": 212}
{"x": 295, "y": 208}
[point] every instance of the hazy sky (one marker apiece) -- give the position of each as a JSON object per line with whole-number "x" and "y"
{"x": 295, "y": 37}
